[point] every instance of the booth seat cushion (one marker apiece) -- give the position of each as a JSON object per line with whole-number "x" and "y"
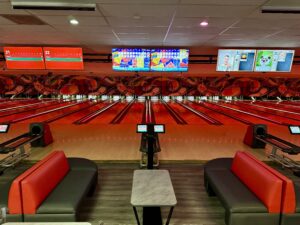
{"x": 82, "y": 164}
{"x": 233, "y": 194}
{"x": 15, "y": 200}
{"x": 41, "y": 182}
{"x": 266, "y": 186}
{"x": 4, "y": 189}
{"x": 297, "y": 191}
{"x": 220, "y": 163}
{"x": 67, "y": 195}
{"x": 288, "y": 201}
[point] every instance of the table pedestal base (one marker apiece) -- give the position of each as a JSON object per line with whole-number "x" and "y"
{"x": 151, "y": 216}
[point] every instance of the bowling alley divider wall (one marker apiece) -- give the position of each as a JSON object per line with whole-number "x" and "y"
{"x": 32, "y": 85}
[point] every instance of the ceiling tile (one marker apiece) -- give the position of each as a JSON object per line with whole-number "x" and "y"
{"x": 6, "y": 8}
{"x": 142, "y": 22}
{"x": 274, "y": 23}
{"x": 213, "y": 11}
{"x": 83, "y": 20}
{"x": 224, "y": 2}
{"x": 212, "y": 21}
{"x": 122, "y": 10}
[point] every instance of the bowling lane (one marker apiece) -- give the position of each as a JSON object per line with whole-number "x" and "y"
{"x": 21, "y": 115}
{"x": 270, "y": 110}
{"x": 135, "y": 114}
{"x": 36, "y": 106}
{"x": 6, "y": 105}
{"x": 293, "y": 108}
{"x": 222, "y": 118}
{"x": 69, "y": 119}
{"x": 161, "y": 114}
{"x": 236, "y": 114}
{"x": 276, "y": 119}
{"x": 60, "y": 112}
{"x": 107, "y": 116}
{"x": 187, "y": 115}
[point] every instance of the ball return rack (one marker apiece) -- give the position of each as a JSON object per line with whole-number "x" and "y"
{"x": 258, "y": 137}
{"x": 39, "y": 135}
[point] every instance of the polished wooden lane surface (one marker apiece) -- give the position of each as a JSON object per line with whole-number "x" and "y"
{"x": 120, "y": 142}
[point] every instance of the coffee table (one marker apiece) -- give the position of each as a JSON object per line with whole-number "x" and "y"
{"x": 152, "y": 188}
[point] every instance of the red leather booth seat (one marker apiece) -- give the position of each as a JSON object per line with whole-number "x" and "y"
{"x": 52, "y": 189}
{"x": 250, "y": 192}
{"x": 39, "y": 184}
{"x": 288, "y": 200}
{"x": 15, "y": 205}
{"x": 264, "y": 184}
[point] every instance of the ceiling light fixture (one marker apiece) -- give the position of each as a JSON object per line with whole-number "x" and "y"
{"x": 137, "y": 17}
{"x": 74, "y": 22}
{"x": 204, "y": 24}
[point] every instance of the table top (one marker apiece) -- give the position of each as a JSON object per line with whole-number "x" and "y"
{"x": 152, "y": 188}
{"x": 48, "y": 223}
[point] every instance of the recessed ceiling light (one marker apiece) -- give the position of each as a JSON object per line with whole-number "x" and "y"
{"x": 74, "y": 22}
{"x": 204, "y": 24}
{"x": 137, "y": 17}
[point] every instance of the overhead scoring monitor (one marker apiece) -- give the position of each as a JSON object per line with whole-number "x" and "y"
{"x": 127, "y": 59}
{"x": 236, "y": 60}
{"x": 274, "y": 60}
{"x": 169, "y": 60}
{"x": 24, "y": 58}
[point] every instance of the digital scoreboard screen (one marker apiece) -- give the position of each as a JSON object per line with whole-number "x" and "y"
{"x": 58, "y": 58}
{"x": 126, "y": 59}
{"x": 169, "y": 60}
{"x": 235, "y": 60}
{"x": 4, "y": 128}
{"x": 24, "y": 58}
{"x": 274, "y": 60}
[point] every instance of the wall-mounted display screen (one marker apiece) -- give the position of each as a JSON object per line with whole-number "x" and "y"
{"x": 24, "y": 57}
{"x": 274, "y": 60}
{"x": 57, "y": 58}
{"x": 294, "y": 129}
{"x": 4, "y": 128}
{"x": 142, "y": 128}
{"x": 236, "y": 60}
{"x": 126, "y": 59}
{"x": 169, "y": 60}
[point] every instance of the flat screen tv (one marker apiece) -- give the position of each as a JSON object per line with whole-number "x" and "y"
{"x": 131, "y": 59}
{"x": 274, "y": 60}
{"x": 24, "y": 58}
{"x": 294, "y": 129}
{"x": 169, "y": 60}
{"x": 235, "y": 60}
{"x": 4, "y": 128}
{"x": 63, "y": 58}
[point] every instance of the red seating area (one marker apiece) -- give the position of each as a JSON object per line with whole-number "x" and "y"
{"x": 39, "y": 184}
{"x": 46, "y": 180}
{"x": 278, "y": 194}
{"x": 255, "y": 176}
{"x": 30, "y": 188}
{"x": 288, "y": 198}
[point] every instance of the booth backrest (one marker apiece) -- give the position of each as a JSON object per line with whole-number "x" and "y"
{"x": 265, "y": 185}
{"x": 288, "y": 201}
{"x": 14, "y": 197}
{"x": 39, "y": 184}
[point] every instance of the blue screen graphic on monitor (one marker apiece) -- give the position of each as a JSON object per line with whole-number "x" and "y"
{"x": 274, "y": 60}
{"x": 169, "y": 60}
{"x": 235, "y": 60}
{"x": 126, "y": 59}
